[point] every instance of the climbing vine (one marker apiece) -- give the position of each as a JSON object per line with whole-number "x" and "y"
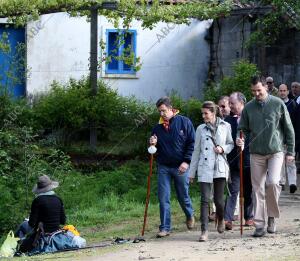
{"x": 149, "y": 12}
{"x": 285, "y": 14}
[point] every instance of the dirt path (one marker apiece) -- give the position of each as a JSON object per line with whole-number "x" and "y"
{"x": 283, "y": 245}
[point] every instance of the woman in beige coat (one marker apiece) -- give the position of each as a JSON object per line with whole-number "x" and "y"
{"x": 213, "y": 143}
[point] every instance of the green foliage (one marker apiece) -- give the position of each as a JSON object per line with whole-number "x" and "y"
{"x": 239, "y": 81}
{"x": 190, "y": 108}
{"x": 22, "y": 11}
{"x": 67, "y": 111}
{"x": 22, "y": 160}
{"x": 284, "y": 15}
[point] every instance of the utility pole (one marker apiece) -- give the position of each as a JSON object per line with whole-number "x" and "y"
{"x": 94, "y": 61}
{"x": 93, "y": 70}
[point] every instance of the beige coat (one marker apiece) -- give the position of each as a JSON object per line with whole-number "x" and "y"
{"x": 205, "y": 161}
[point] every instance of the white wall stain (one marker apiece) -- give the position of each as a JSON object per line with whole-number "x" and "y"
{"x": 177, "y": 61}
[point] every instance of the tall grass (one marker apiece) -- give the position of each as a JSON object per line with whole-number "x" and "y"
{"x": 111, "y": 203}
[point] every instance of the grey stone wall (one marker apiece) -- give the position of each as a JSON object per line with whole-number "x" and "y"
{"x": 228, "y": 37}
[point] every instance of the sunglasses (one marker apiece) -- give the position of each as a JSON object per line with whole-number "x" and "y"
{"x": 269, "y": 82}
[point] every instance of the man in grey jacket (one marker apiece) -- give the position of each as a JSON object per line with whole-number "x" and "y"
{"x": 267, "y": 121}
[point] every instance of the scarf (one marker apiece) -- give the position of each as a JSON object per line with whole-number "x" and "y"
{"x": 48, "y": 193}
{"x": 166, "y": 123}
{"x": 213, "y": 128}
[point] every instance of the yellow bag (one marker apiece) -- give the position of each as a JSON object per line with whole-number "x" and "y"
{"x": 72, "y": 229}
{"x": 9, "y": 246}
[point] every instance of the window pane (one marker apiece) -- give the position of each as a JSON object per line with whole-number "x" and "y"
{"x": 128, "y": 52}
{"x": 113, "y": 50}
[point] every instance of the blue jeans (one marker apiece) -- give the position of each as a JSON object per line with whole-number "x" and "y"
{"x": 181, "y": 183}
{"x": 234, "y": 189}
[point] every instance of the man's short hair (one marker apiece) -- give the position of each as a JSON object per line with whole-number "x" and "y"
{"x": 239, "y": 96}
{"x": 256, "y": 79}
{"x": 164, "y": 100}
{"x": 269, "y": 79}
{"x": 224, "y": 97}
{"x": 283, "y": 84}
{"x": 296, "y": 84}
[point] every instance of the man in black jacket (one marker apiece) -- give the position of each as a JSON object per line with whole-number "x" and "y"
{"x": 288, "y": 169}
{"x": 237, "y": 102}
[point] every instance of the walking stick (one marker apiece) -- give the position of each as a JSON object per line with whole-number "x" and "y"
{"x": 151, "y": 150}
{"x": 241, "y": 188}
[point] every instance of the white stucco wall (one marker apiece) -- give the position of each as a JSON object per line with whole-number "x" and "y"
{"x": 174, "y": 57}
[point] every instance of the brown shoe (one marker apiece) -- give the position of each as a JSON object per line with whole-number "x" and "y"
{"x": 228, "y": 225}
{"x": 220, "y": 226}
{"x": 204, "y": 236}
{"x": 162, "y": 234}
{"x": 190, "y": 223}
{"x": 249, "y": 223}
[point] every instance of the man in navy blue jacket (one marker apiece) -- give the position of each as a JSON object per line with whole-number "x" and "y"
{"x": 174, "y": 137}
{"x": 237, "y": 102}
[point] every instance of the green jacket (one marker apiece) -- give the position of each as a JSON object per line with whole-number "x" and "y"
{"x": 269, "y": 126}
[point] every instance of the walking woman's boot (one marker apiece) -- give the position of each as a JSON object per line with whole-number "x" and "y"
{"x": 204, "y": 236}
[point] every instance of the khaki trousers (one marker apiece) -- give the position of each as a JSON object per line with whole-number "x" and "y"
{"x": 265, "y": 177}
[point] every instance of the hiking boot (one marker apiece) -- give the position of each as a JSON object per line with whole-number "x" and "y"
{"x": 249, "y": 223}
{"x": 271, "y": 225}
{"x": 162, "y": 234}
{"x": 190, "y": 223}
{"x": 293, "y": 188}
{"x": 220, "y": 226}
{"x": 228, "y": 225}
{"x": 259, "y": 232}
{"x": 204, "y": 236}
{"x": 212, "y": 217}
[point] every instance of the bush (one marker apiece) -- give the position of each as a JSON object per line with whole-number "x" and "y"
{"x": 240, "y": 81}
{"x": 66, "y": 112}
{"x": 22, "y": 160}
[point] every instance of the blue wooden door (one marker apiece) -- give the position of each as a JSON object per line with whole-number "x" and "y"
{"x": 12, "y": 60}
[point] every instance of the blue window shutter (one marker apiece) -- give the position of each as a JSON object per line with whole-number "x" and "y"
{"x": 120, "y": 42}
{"x": 113, "y": 50}
{"x": 12, "y": 67}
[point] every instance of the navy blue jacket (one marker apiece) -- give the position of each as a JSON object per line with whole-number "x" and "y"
{"x": 177, "y": 144}
{"x": 297, "y": 128}
{"x": 233, "y": 157}
{"x": 291, "y": 106}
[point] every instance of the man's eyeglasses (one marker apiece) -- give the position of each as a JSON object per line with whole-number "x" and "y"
{"x": 269, "y": 82}
{"x": 222, "y": 106}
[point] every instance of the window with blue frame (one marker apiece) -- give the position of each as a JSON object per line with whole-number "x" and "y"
{"x": 121, "y": 51}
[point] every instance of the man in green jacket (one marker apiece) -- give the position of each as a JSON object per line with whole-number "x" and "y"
{"x": 267, "y": 121}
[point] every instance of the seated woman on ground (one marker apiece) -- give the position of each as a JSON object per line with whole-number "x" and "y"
{"x": 46, "y": 216}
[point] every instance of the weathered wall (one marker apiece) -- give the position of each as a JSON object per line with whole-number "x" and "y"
{"x": 280, "y": 60}
{"x": 174, "y": 57}
{"x": 228, "y": 39}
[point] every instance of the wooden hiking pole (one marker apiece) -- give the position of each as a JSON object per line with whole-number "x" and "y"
{"x": 148, "y": 188}
{"x": 241, "y": 187}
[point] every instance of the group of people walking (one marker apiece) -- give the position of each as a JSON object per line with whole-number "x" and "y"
{"x": 262, "y": 130}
